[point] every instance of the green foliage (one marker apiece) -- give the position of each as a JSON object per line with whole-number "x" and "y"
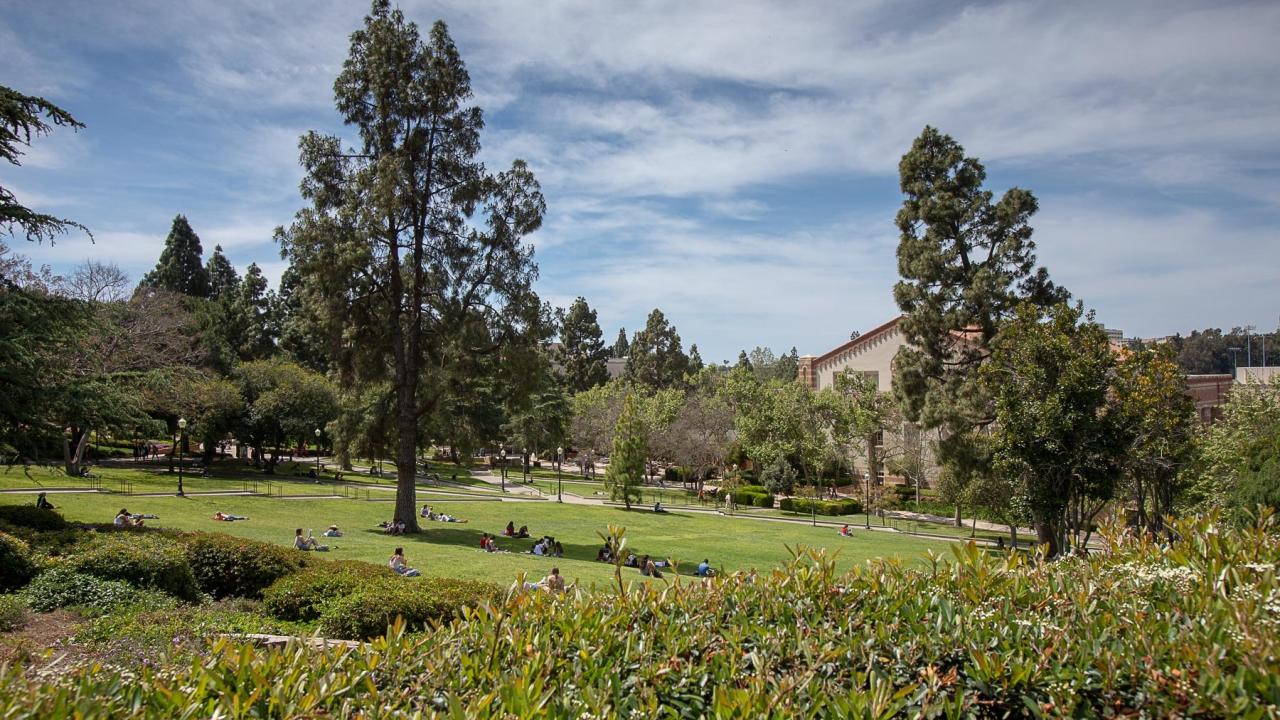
{"x": 625, "y": 474}
{"x": 371, "y": 609}
{"x": 965, "y": 637}
{"x": 16, "y": 565}
{"x": 65, "y": 587}
{"x": 1239, "y": 456}
{"x": 223, "y": 278}
{"x": 227, "y": 566}
{"x": 142, "y": 559}
{"x": 1058, "y": 430}
{"x": 13, "y": 612}
{"x": 582, "y": 353}
{"x": 29, "y": 516}
{"x": 180, "y": 267}
{"x": 621, "y": 347}
{"x": 779, "y": 477}
{"x": 656, "y": 360}
{"x": 762, "y": 501}
{"x": 824, "y": 507}
{"x": 302, "y": 595}
{"x": 21, "y": 118}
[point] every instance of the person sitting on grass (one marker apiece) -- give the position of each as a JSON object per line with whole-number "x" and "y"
{"x": 124, "y": 519}
{"x": 657, "y": 507}
{"x": 539, "y": 548}
{"x": 704, "y": 569}
{"x": 43, "y": 503}
{"x": 523, "y": 532}
{"x": 554, "y": 582}
{"x": 844, "y": 531}
{"x": 603, "y": 555}
{"x": 333, "y": 531}
{"x": 307, "y": 543}
{"x": 557, "y": 550}
{"x": 511, "y": 529}
{"x": 485, "y": 543}
{"x": 426, "y": 512}
{"x": 631, "y": 560}
{"x": 397, "y": 563}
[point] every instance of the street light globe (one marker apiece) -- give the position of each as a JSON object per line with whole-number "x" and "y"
{"x": 182, "y": 423}
{"x": 317, "y": 432}
{"x": 503, "y": 453}
{"x": 559, "y": 451}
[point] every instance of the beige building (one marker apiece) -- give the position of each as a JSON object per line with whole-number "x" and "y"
{"x": 871, "y": 353}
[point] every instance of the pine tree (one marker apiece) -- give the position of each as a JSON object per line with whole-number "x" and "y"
{"x": 583, "y": 352}
{"x": 695, "y": 359}
{"x": 429, "y": 274}
{"x": 965, "y": 265}
{"x": 625, "y": 474}
{"x": 744, "y": 362}
{"x": 657, "y": 360}
{"x": 253, "y": 312}
{"x": 21, "y": 118}
{"x": 223, "y": 278}
{"x": 180, "y": 269}
{"x": 621, "y": 348}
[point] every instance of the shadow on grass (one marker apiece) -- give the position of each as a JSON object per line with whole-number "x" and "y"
{"x": 461, "y": 535}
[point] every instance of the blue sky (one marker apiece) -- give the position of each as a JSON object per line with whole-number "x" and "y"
{"x": 731, "y": 163}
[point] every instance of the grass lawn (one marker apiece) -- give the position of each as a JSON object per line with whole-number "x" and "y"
{"x": 452, "y": 550}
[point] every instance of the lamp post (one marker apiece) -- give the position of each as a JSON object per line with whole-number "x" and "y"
{"x": 317, "y": 453}
{"x": 182, "y": 436}
{"x": 866, "y": 511}
{"x": 559, "y": 477}
{"x": 502, "y": 457}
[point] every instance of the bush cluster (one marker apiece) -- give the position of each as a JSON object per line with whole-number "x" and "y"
{"x": 302, "y": 595}
{"x": 144, "y": 560}
{"x": 65, "y": 587}
{"x": 16, "y": 566}
{"x": 846, "y": 506}
{"x": 749, "y": 495}
{"x": 1184, "y": 630}
{"x": 226, "y": 566}
{"x": 13, "y": 612}
{"x": 367, "y": 612}
{"x": 29, "y": 516}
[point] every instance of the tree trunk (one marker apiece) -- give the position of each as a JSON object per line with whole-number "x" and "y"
{"x": 406, "y": 455}
{"x": 1047, "y": 534}
{"x": 958, "y": 520}
{"x": 73, "y": 453}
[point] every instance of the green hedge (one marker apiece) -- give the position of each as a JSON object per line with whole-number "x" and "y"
{"x": 846, "y": 506}
{"x": 762, "y": 501}
{"x": 13, "y": 612}
{"x": 64, "y": 587}
{"x": 142, "y": 559}
{"x": 16, "y": 565}
{"x": 367, "y": 612}
{"x": 29, "y": 516}
{"x": 226, "y": 566}
{"x": 1184, "y": 630}
{"x": 302, "y": 595}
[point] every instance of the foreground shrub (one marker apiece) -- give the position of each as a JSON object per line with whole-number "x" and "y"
{"x": 144, "y": 560}
{"x": 302, "y": 595}
{"x": 1188, "y": 630}
{"x": 16, "y": 566}
{"x": 13, "y": 612}
{"x": 29, "y": 516}
{"x": 762, "y": 501}
{"x": 63, "y": 587}
{"x": 226, "y": 566}
{"x": 367, "y": 612}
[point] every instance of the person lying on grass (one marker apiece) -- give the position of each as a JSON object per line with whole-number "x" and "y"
{"x": 126, "y": 519}
{"x": 398, "y": 563}
{"x": 307, "y": 543}
{"x": 333, "y": 531}
{"x": 227, "y": 517}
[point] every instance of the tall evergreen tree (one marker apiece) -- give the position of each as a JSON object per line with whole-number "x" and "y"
{"x": 180, "y": 268}
{"x": 223, "y": 278}
{"x": 621, "y": 348}
{"x": 253, "y": 311}
{"x": 744, "y": 362}
{"x": 583, "y": 353}
{"x": 416, "y": 286}
{"x": 22, "y": 117}
{"x": 625, "y": 474}
{"x": 657, "y": 359}
{"x": 695, "y": 359}
{"x": 965, "y": 264}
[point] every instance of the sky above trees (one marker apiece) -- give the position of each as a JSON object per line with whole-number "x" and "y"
{"x": 736, "y": 169}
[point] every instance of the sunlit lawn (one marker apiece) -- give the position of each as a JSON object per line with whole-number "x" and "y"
{"x": 452, "y": 549}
